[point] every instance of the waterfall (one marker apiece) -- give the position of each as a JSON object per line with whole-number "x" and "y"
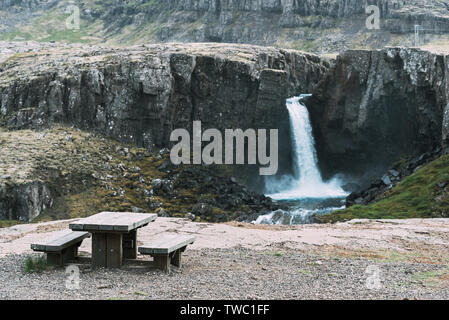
{"x": 305, "y": 189}
{"x": 305, "y": 159}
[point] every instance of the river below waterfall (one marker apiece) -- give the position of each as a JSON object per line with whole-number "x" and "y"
{"x": 304, "y": 193}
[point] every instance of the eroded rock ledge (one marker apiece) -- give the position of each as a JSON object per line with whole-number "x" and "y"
{"x": 141, "y": 94}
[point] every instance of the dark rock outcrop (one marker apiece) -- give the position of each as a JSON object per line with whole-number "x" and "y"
{"x": 142, "y": 93}
{"x": 376, "y": 107}
{"x": 24, "y": 202}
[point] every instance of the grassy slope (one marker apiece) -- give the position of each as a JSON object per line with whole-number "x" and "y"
{"x": 8, "y": 223}
{"x": 417, "y": 196}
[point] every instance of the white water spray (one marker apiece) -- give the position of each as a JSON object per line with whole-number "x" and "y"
{"x": 306, "y": 181}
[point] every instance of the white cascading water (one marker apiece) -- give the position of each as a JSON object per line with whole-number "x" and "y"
{"x": 306, "y": 182}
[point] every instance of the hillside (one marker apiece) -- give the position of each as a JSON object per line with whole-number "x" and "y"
{"x": 311, "y": 25}
{"x": 423, "y": 194}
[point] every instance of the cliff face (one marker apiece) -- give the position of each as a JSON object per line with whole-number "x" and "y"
{"x": 262, "y": 21}
{"x": 375, "y": 107}
{"x": 139, "y": 95}
{"x": 311, "y": 25}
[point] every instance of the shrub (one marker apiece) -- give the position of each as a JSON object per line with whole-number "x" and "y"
{"x": 38, "y": 264}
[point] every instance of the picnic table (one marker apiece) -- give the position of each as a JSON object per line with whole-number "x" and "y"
{"x": 114, "y": 235}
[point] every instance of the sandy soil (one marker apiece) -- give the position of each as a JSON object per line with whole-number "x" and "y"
{"x": 358, "y": 235}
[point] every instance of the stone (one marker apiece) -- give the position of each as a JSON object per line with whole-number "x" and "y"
{"x": 162, "y": 213}
{"x": 167, "y": 185}
{"x": 386, "y": 180}
{"x": 155, "y": 204}
{"x": 156, "y": 184}
{"x": 24, "y": 202}
{"x": 201, "y": 209}
{"x": 394, "y": 173}
{"x": 190, "y": 216}
{"x": 442, "y": 184}
{"x": 165, "y": 166}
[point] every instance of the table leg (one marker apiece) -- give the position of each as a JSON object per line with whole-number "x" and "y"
{"x": 99, "y": 250}
{"x": 130, "y": 245}
{"x": 107, "y": 251}
{"x": 115, "y": 250}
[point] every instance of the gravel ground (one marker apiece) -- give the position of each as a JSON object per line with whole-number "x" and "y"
{"x": 230, "y": 274}
{"x": 245, "y": 261}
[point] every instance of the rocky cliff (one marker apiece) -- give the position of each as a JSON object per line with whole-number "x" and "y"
{"x": 312, "y": 25}
{"x": 369, "y": 109}
{"x": 141, "y": 94}
{"x": 376, "y": 107}
{"x": 138, "y": 96}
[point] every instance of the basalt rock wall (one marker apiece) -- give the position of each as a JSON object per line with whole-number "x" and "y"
{"x": 141, "y": 94}
{"x": 376, "y": 107}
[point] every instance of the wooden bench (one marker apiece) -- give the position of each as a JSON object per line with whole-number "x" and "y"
{"x": 63, "y": 248}
{"x": 167, "y": 250}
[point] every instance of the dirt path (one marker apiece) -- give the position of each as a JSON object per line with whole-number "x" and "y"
{"x": 397, "y": 235}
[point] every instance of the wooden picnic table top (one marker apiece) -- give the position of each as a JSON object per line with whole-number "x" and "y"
{"x": 113, "y": 222}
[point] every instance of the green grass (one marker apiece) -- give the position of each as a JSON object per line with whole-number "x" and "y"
{"x": 9, "y": 223}
{"x": 276, "y": 254}
{"x": 417, "y": 196}
{"x": 308, "y": 272}
{"x": 432, "y": 278}
{"x": 51, "y": 26}
{"x": 35, "y": 264}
